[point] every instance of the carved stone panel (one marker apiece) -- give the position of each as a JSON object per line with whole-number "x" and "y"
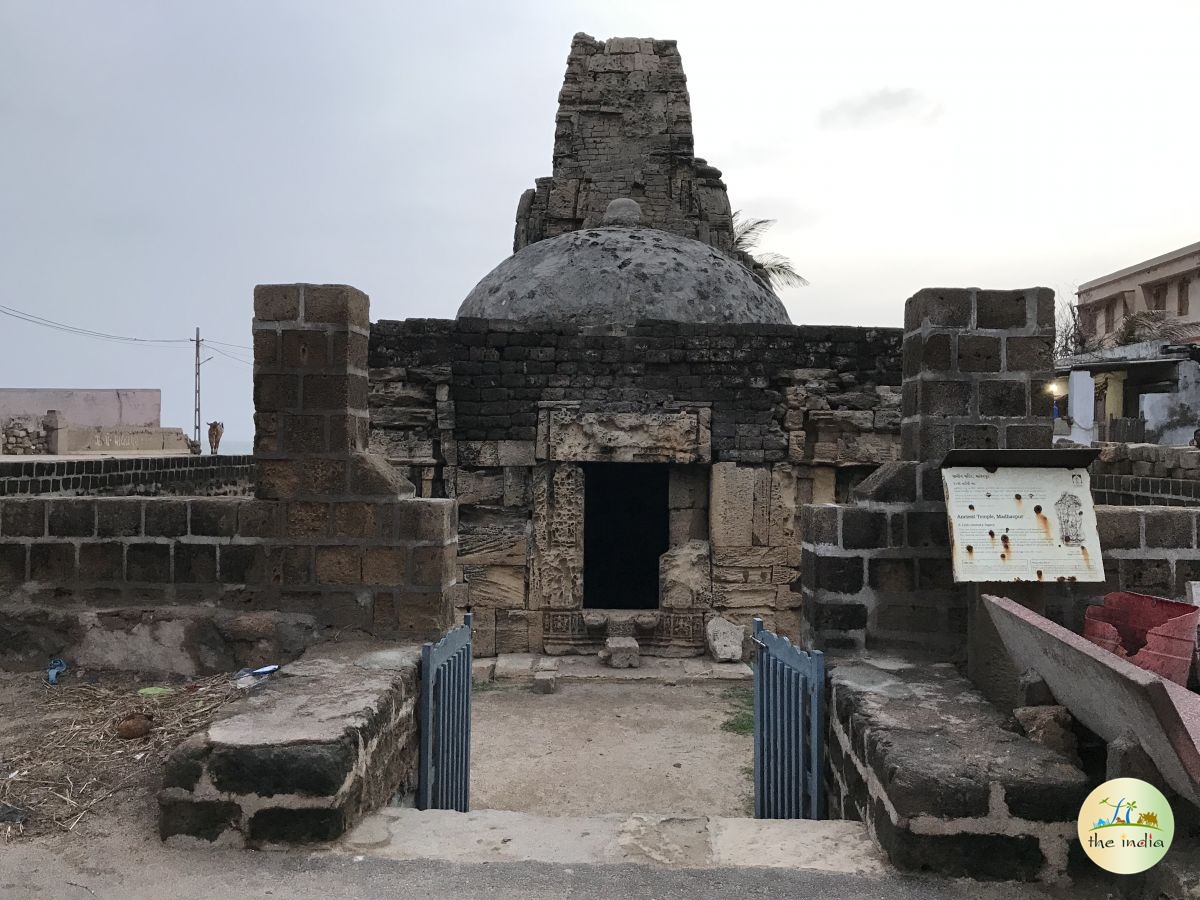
{"x": 567, "y": 434}
{"x": 556, "y": 558}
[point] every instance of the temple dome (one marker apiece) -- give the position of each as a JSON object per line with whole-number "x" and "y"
{"x": 619, "y": 273}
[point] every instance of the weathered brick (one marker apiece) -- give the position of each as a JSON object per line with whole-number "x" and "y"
{"x": 384, "y": 565}
{"x": 52, "y": 562}
{"x": 118, "y": 518}
{"x": 104, "y": 561}
{"x": 276, "y": 302}
{"x": 214, "y": 518}
{"x": 23, "y": 518}
{"x": 72, "y": 517}
{"x": 195, "y": 563}
{"x": 978, "y": 353}
{"x": 148, "y": 562}
{"x": 339, "y": 565}
{"x": 166, "y": 518}
{"x": 839, "y": 574}
{"x": 1030, "y": 354}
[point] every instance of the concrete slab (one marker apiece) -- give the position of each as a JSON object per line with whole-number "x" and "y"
{"x": 649, "y": 840}
{"x": 1109, "y": 695}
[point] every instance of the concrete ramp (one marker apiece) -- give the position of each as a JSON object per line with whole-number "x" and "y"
{"x": 1110, "y": 696}
{"x": 667, "y": 841}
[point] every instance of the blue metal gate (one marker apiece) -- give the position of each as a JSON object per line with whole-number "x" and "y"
{"x": 789, "y": 723}
{"x": 444, "y": 764}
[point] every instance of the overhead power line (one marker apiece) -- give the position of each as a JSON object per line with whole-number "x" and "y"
{"x": 33, "y": 319}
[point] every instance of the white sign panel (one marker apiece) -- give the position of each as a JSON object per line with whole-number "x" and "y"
{"x": 1013, "y": 524}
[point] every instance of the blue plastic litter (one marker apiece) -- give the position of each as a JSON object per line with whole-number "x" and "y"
{"x": 57, "y": 667}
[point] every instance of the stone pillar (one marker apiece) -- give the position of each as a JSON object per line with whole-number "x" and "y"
{"x": 310, "y": 397}
{"x": 55, "y": 424}
{"x": 975, "y": 362}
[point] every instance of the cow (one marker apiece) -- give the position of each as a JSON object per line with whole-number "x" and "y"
{"x": 215, "y": 430}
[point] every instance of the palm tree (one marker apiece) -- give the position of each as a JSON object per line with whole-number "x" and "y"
{"x": 1151, "y": 325}
{"x": 776, "y": 268}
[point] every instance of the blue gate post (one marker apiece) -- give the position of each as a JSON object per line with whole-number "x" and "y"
{"x": 789, "y": 722}
{"x": 444, "y": 720}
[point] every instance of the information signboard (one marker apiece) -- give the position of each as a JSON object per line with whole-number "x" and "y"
{"x": 1022, "y": 524}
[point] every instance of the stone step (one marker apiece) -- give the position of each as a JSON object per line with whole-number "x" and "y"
{"x": 654, "y": 840}
{"x": 521, "y": 667}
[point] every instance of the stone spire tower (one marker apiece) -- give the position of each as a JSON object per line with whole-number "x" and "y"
{"x": 624, "y": 130}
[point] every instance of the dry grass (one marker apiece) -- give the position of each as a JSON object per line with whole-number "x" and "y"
{"x": 66, "y": 759}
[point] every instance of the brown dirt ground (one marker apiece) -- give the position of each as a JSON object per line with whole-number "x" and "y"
{"x": 62, "y": 761}
{"x": 593, "y": 749}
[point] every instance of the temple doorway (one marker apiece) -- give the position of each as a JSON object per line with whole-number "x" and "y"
{"x": 626, "y": 529}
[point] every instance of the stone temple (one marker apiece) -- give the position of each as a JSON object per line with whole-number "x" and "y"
{"x": 622, "y": 409}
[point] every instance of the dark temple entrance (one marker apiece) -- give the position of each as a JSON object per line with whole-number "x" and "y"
{"x": 625, "y": 531}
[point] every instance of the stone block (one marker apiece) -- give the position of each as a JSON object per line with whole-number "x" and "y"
{"x": 478, "y": 487}
{"x": 731, "y": 506}
{"x": 978, "y": 353}
{"x": 118, "y": 517}
{"x": 148, "y": 562}
{"x": 895, "y": 575}
{"x": 213, "y": 518}
{"x": 495, "y": 586}
{"x": 944, "y": 397}
{"x": 339, "y": 565}
{"x": 1001, "y": 309}
{"x": 276, "y": 303}
{"x": 1028, "y": 437}
{"x": 12, "y": 564}
{"x": 863, "y": 529}
{"x": 384, "y": 565}
{"x": 305, "y": 349}
{"x": 72, "y": 518}
{"x": 514, "y": 667}
{"x": 839, "y": 574}
{"x": 1030, "y": 354}
{"x": 1170, "y": 528}
{"x": 195, "y": 563}
{"x": 1050, "y": 726}
{"x": 336, "y": 304}
{"x": 622, "y": 653}
{"x": 545, "y": 682}
{"x": 724, "y": 639}
{"x": 820, "y": 524}
{"x": 22, "y": 518}
{"x": 837, "y": 616}
{"x": 950, "y": 307}
{"x": 512, "y": 631}
{"x": 99, "y": 561}
{"x": 685, "y": 575}
{"x": 1008, "y": 398}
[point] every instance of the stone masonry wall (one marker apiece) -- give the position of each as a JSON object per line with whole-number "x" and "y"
{"x": 876, "y": 572}
{"x": 752, "y": 421}
{"x": 1146, "y": 474}
{"x": 24, "y": 436}
{"x": 196, "y": 476}
{"x": 778, "y": 392}
{"x": 333, "y": 540}
{"x": 624, "y": 129}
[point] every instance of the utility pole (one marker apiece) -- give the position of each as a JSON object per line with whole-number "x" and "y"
{"x": 196, "y": 419}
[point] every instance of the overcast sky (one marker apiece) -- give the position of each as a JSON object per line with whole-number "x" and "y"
{"x": 158, "y": 159}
